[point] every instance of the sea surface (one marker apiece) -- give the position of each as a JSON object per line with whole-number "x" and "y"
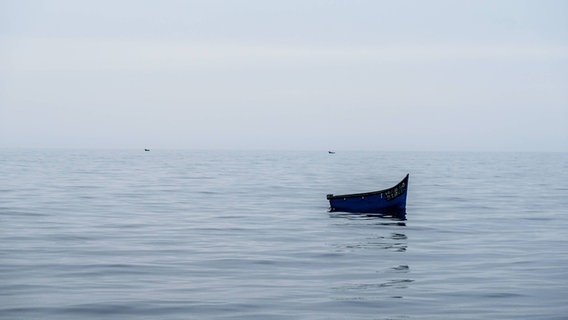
{"x": 165, "y": 234}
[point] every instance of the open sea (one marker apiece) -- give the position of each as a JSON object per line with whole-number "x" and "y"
{"x": 128, "y": 234}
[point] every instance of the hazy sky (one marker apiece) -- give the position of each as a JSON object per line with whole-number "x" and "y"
{"x": 307, "y": 74}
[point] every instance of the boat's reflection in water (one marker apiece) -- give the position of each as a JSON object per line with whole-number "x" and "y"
{"x": 379, "y": 244}
{"x": 396, "y": 218}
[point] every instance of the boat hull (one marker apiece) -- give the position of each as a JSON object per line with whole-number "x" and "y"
{"x": 391, "y": 201}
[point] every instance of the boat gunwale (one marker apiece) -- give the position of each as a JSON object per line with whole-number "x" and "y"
{"x": 366, "y": 194}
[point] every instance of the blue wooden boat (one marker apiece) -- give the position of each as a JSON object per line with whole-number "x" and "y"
{"x": 388, "y": 202}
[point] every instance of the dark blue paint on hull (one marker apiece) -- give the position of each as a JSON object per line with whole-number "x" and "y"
{"x": 387, "y": 202}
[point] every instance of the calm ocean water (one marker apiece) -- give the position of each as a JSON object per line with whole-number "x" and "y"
{"x": 130, "y": 234}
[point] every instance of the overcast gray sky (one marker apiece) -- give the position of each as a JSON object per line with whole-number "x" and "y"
{"x": 295, "y": 74}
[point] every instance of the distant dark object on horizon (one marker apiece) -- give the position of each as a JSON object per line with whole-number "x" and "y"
{"x": 146, "y": 149}
{"x": 387, "y": 202}
{"x": 331, "y": 152}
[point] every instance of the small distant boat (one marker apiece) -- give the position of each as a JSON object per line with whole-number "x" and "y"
{"x": 331, "y": 152}
{"x": 387, "y": 202}
{"x": 146, "y": 149}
